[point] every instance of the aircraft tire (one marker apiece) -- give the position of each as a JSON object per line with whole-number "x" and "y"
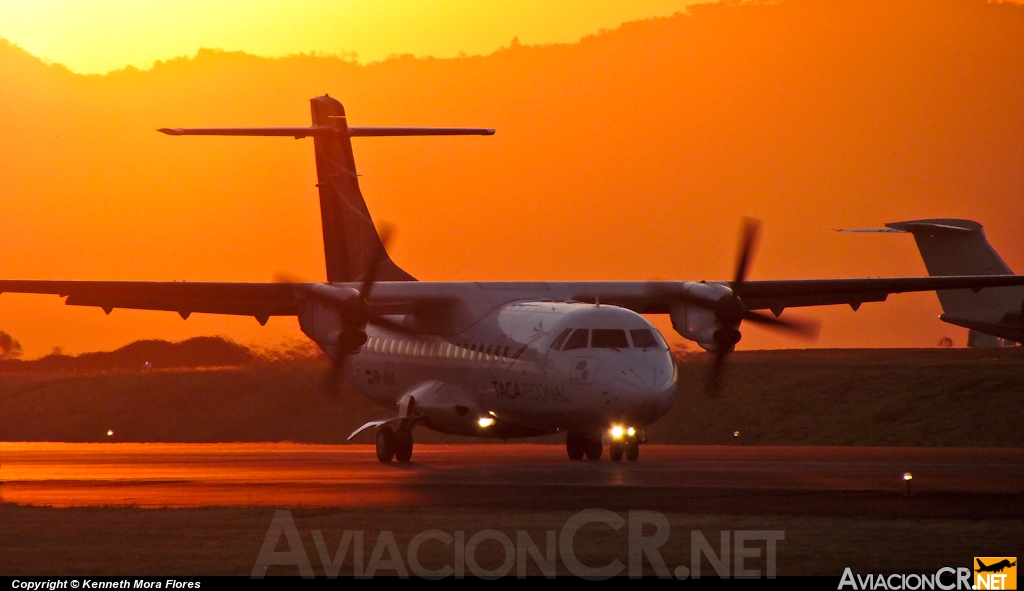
{"x": 594, "y": 447}
{"x": 385, "y": 444}
{"x": 633, "y": 450}
{"x": 403, "y": 445}
{"x": 575, "y": 445}
{"x": 616, "y": 450}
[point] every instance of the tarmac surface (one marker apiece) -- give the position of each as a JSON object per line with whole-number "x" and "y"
{"x": 974, "y": 483}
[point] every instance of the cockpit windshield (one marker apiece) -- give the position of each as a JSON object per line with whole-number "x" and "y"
{"x": 607, "y": 338}
{"x": 579, "y": 340}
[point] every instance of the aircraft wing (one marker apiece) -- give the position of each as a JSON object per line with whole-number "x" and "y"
{"x": 656, "y": 297}
{"x": 822, "y": 292}
{"x": 260, "y": 300}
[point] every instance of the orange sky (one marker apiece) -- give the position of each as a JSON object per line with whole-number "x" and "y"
{"x": 632, "y": 154}
{"x": 103, "y": 35}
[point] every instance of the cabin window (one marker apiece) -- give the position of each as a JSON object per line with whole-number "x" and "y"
{"x": 487, "y": 355}
{"x": 608, "y": 338}
{"x": 579, "y": 339}
{"x": 560, "y": 339}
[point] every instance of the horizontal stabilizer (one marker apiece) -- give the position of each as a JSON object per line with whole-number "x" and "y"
{"x": 324, "y": 130}
{"x": 951, "y": 226}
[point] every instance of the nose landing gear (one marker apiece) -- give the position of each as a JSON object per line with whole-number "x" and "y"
{"x": 626, "y": 442}
{"x": 630, "y": 448}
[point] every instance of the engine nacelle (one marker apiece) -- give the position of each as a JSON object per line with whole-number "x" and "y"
{"x": 333, "y": 317}
{"x": 700, "y": 324}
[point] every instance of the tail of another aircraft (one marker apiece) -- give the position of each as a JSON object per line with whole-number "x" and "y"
{"x": 351, "y": 242}
{"x": 959, "y": 247}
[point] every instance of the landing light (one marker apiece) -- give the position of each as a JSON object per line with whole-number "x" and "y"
{"x": 485, "y": 421}
{"x": 617, "y": 432}
{"x": 110, "y": 432}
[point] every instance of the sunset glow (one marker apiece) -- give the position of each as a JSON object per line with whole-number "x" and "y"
{"x": 104, "y": 35}
{"x": 631, "y": 154}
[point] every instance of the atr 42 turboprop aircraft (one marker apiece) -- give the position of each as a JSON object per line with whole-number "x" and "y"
{"x": 487, "y": 359}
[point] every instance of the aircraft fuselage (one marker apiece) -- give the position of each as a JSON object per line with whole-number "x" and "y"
{"x": 524, "y": 368}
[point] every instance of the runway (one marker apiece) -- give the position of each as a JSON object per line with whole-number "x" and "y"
{"x": 736, "y": 480}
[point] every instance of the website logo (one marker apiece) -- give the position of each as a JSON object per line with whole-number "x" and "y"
{"x": 995, "y": 572}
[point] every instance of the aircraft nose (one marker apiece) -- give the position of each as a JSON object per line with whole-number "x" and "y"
{"x": 648, "y": 390}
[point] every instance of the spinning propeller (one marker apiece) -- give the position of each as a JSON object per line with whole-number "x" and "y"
{"x": 730, "y": 310}
{"x": 356, "y": 315}
{"x": 353, "y": 307}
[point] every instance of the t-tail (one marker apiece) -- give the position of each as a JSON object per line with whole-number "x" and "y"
{"x": 959, "y": 247}
{"x": 351, "y": 242}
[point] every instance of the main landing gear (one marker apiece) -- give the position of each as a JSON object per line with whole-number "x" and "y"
{"x": 393, "y": 444}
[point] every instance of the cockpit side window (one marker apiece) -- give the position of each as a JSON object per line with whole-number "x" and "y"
{"x": 642, "y": 338}
{"x": 645, "y": 338}
{"x": 609, "y": 338}
{"x": 579, "y": 340}
{"x": 560, "y": 339}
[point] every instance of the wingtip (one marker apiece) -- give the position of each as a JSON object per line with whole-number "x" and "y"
{"x": 170, "y": 131}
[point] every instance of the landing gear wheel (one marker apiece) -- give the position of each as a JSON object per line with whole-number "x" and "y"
{"x": 575, "y": 445}
{"x": 633, "y": 450}
{"x": 403, "y": 445}
{"x": 594, "y": 447}
{"x": 616, "y": 450}
{"x": 385, "y": 444}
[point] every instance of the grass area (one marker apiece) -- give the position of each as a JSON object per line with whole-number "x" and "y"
{"x": 870, "y": 397}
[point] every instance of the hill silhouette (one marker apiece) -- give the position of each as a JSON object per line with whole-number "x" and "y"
{"x": 194, "y": 353}
{"x": 629, "y": 155}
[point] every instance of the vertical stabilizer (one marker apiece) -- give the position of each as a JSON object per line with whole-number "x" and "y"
{"x": 351, "y": 242}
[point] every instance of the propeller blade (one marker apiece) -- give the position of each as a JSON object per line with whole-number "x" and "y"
{"x": 803, "y": 328}
{"x": 748, "y": 241}
{"x": 334, "y": 377}
{"x": 714, "y": 383}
